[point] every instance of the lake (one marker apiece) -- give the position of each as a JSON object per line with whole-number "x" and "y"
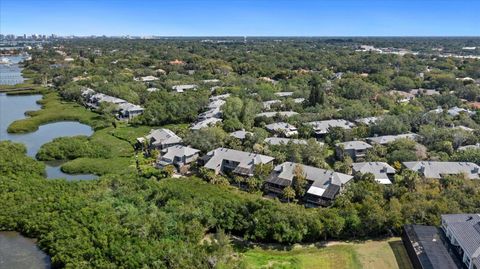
{"x": 13, "y": 107}
{"x": 19, "y": 252}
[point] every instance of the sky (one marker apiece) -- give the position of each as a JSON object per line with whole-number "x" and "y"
{"x": 241, "y": 17}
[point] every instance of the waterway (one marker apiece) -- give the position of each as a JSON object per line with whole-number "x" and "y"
{"x": 13, "y": 107}
{"x": 19, "y": 252}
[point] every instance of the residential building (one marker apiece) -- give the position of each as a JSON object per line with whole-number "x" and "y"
{"x": 476, "y": 146}
{"x": 277, "y": 113}
{"x": 95, "y": 100}
{"x": 455, "y": 111}
{"x": 437, "y": 170}
{"x": 216, "y": 103}
{"x": 177, "y": 62}
{"x": 355, "y": 149}
{"x": 282, "y": 128}
{"x": 322, "y": 185}
{"x": 160, "y": 139}
{"x": 148, "y": 78}
{"x": 223, "y": 160}
{"x": 402, "y": 97}
{"x": 219, "y": 97}
{"x": 464, "y": 128}
{"x": 383, "y": 172}
{"x": 124, "y": 109}
{"x": 211, "y": 113}
{"x": 153, "y": 89}
{"x": 386, "y": 139}
{"x": 427, "y": 248}
{"x": 368, "y": 121}
{"x": 211, "y": 81}
{"x": 179, "y": 156}
{"x": 267, "y": 105}
{"x": 205, "y": 123}
{"x": 183, "y": 88}
{"x": 129, "y": 111}
{"x": 242, "y": 134}
{"x": 427, "y": 92}
{"x": 284, "y": 141}
{"x": 298, "y": 100}
{"x": 463, "y": 232}
{"x": 322, "y": 128}
{"x": 284, "y": 94}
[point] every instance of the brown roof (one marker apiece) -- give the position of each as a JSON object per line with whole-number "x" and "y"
{"x": 474, "y": 105}
{"x": 177, "y": 61}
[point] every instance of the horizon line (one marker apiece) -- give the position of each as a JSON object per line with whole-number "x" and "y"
{"x": 241, "y": 36}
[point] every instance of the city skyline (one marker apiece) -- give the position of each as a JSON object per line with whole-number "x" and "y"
{"x": 240, "y": 18}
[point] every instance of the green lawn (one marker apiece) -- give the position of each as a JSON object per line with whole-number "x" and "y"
{"x": 99, "y": 166}
{"x": 130, "y": 133}
{"x": 118, "y": 147}
{"x": 370, "y": 254}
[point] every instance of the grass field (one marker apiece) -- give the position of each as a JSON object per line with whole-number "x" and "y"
{"x": 370, "y": 254}
{"x": 99, "y": 166}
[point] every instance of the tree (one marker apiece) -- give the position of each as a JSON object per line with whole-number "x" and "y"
{"x": 288, "y": 193}
{"x": 249, "y": 111}
{"x": 299, "y": 180}
{"x": 232, "y": 109}
{"x": 403, "y": 83}
{"x": 206, "y": 139}
{"x": 409, "y": 179}
{"x": 317, "y": 92}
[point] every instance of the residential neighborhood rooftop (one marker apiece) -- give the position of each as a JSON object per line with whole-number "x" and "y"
{"x": 386, "y": 139}
{"x": 431, "y": 169}
{"x": 322, "y": 127}
{"x": 275, "y": 113}
{"x": 284, "y": 141}
{"x": 381, "y": 170}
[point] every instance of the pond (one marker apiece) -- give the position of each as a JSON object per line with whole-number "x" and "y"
{"x": 19, "y": 252}
{"x": 13, "y": 107}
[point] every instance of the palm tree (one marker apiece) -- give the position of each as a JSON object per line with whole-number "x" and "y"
{"x": 288, "y": 193}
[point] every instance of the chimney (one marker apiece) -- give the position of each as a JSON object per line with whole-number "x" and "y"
{"x": 422, "y": 169}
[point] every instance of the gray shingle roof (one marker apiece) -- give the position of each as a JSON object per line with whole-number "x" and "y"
{"x": 211, "y": 113}
{"x": 219, "y": 97}
{"x": 242, "y": 134}
{"x": 437, "y": 169}
{"x": 178, "y": 151}
{"x": 466, "y": 230}
{"x": 268, "y": 104}
{"x": 355, "y": 145}
{"x": 321, "y": 127}
{"x": 162, "y": 137}
{"x": 284, "y": 94}
{"x": 283, "y": 175}
{"x": 284, "y": 141}
{"x": 216, "y": 103}
{"x": 382, "y": 140}
{"x": 368, "y": 120}
{"x": 273, "y": 114}
{"x": 281, "y": 127}
{"x": 380, "y": 170}
{"x": 246, "y": 160}
{"x": 205, "y": 123}
{"x": 476, "y": 146}
{"x": 182, "y": 88}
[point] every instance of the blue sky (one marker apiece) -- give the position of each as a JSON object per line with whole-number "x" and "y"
{"x": 242, "y": 17}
